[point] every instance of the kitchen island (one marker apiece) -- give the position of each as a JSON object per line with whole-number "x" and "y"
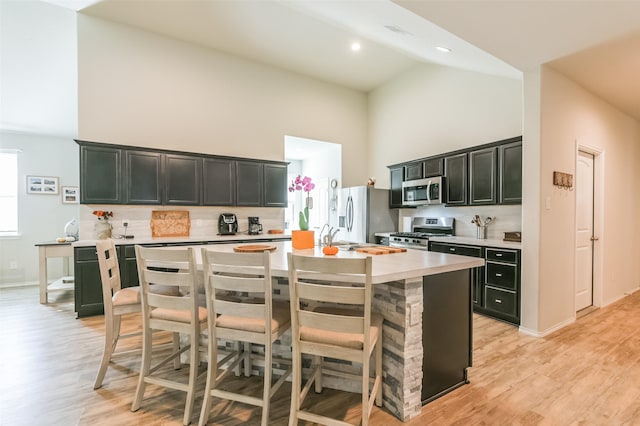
{"x": 425, "y": 300}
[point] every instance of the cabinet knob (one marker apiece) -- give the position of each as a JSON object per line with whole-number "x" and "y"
{"x": 498, "y": 301}
{"x": 498, "y": 254}
{"x": 498, "y": 275}
{"x": 452, "y": 249}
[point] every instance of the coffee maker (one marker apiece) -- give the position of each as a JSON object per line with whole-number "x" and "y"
{"x": 227, "y": 224}
{"x": 255, "y": 227}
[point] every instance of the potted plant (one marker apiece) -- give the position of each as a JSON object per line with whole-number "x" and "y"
{"x": 303, "y": 238}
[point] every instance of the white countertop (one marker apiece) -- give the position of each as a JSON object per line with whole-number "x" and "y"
{"x": 487, "y": 242}
{"x": 193, "y": 240}
{"x": 386, "y": 267}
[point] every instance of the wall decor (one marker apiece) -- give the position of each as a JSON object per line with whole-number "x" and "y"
{"x": 563, "y": 180}
{"x": 70, "y": 195}
{"x": 42, "y": 185}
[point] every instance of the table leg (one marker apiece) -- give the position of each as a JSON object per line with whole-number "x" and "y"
{"x": 43, "y": 274}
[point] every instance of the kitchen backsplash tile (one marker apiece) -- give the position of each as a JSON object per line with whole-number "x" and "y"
{"x": 507, "y": 218}
{"x": 204, "y": 220}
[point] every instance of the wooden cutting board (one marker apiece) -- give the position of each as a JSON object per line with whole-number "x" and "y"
{"x": 381, "y": 250}
{"x": 170, "y": 223}
{"x": 253, "y": 248}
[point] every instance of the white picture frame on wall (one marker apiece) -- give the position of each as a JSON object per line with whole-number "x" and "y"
{"x": 44, "y": 185}
{"x": 70, "y": 195}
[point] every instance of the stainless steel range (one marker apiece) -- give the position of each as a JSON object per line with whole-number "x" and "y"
{"x": 421, "y": 229}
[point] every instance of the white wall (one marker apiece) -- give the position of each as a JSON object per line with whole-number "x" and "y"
{"x": 569, "y": 116}
{"x": 142, "y": 89}
{"x": 41, "y": 218}
{"x": 432, "y": 109}
{"x": 38, "y": 115}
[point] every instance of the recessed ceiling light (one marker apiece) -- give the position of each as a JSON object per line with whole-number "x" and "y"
{"x": 355, "y": 46}
{"x": 443, "y": 49}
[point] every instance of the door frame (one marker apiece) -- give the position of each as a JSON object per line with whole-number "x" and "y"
{"x": 598, "y": 219}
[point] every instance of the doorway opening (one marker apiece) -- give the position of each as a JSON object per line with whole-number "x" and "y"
{"x": 322, "y": 162}
{"x": 588, "y": 237}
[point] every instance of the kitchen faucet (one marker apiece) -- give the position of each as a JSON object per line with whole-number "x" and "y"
{"x": 320, "y": 235}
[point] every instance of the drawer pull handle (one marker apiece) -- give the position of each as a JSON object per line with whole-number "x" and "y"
{"x": 452, "y": 249}
{"x": 498, "y": 254}
{"x": 498, "y": 275}
{"x": 498, "y": 301}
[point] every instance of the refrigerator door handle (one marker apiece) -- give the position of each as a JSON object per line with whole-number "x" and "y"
{"x": 349, "y": 213}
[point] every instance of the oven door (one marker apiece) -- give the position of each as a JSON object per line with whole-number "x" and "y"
{"x": 396, "y": 242}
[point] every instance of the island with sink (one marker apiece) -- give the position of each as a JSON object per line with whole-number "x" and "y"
{"x": 425, "y": 299}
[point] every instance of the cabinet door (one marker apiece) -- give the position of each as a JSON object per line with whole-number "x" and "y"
{"x": 182, "y": 180}
{"x": 144, "y": 177}
{"x": 483, "y": 167}
{"x": 414, "y": 171}
{"x": 219, "y": 182}
{"x": 511, "y": 173}
{"x": 455, "y": 172}
{"x": 128, "y": 266}
{"x": 275, "y": 185}
{"x": 101, "y": 179}
{"x": 395, "y": 194}
{"x": 249, "y": 183}
{"x": 87, "y": 282}
{"x": 433, "y": 167}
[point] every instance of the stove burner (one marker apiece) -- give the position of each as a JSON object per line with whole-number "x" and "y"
{"x": 412, "y": 234}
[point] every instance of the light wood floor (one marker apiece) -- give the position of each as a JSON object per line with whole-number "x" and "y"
{"x": 586, "y": 373}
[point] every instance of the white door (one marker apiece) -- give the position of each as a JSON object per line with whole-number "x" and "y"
{"x": 584, "y": 230}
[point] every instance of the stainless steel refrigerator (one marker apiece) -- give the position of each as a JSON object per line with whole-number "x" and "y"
{"x": 363, "y": 211}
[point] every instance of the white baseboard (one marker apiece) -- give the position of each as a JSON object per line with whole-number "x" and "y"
{"x": 535, "y": 333}
{"x": 19, "y": 284}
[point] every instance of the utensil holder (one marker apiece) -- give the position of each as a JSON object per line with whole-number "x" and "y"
{"x": 481, "y": 232}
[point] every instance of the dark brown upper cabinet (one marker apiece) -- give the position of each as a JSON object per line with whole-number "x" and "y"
{"x": 182, "y": 180}
{"x": 101, "y": 175}
{"x": 483, "y": 176}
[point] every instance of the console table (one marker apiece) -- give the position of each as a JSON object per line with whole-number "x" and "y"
{"x": 48, "y": 250}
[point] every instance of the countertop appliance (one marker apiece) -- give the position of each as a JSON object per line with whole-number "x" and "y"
{"x": 255, "y": 228}
{"x": 363, "y": 211}
{"x": 422, "y": 228}
{"x": 423, "y": 191}
{"x": 227, "y": 224}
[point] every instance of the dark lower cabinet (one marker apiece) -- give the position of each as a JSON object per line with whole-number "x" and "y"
{"x": 446, "y": 333}
{"x": 495, "y": 286}
{"x": 477, "y": 274}
{"x": 87, "y": 281}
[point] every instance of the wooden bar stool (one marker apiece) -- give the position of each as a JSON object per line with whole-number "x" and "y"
{"x": 254, "y": 319}
{"x": 321, "y": 329}
{"x": 117, "y": 302}
{"x": 175, "y": 313}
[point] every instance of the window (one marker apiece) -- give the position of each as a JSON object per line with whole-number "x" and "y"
{"x": 8, "y": 192}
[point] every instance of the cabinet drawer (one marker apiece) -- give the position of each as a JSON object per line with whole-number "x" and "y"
{"x": 129, "y": 251}
{"x": 502, "y": 275}
{"x": 502, "y": 255}
{"x": 502, "y": 301}
{"x": 472, "y": 251}
{"x": 86, "y": 253}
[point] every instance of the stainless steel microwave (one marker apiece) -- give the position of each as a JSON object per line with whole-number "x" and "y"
{"x": 423, "y": 191}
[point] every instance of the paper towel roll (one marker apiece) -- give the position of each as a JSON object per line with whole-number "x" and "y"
{"x": 406, "y": 224}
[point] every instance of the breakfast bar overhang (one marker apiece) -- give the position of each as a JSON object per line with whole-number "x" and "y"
{"x": 426, "y": 302}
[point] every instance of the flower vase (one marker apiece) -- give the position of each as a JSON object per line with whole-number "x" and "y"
{"x": 301, "y": 240}
{"x": 103, "y": 229}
